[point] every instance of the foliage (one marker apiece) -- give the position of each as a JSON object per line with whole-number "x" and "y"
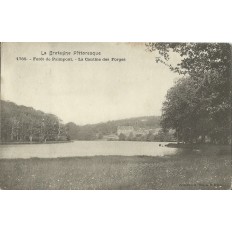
{"x": 122, "y": 137}
{"x": 199, "y": 104}
{"x": 96, "y": 131}
{"x": 21, "y": 123}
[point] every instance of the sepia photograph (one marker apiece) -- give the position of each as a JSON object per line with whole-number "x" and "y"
{"x": 115, "y": 116}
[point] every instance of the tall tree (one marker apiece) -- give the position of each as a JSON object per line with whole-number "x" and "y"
{"x": 199, "y": 104}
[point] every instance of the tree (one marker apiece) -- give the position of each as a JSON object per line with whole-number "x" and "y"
{"x": 130, "y": 137}
{"x": 199, "y": 104}
{"x": 122, "y": 137}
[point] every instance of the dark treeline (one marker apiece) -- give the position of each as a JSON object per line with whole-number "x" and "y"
{"x": 198, "y": 107}
{"x": 21, "y": 124}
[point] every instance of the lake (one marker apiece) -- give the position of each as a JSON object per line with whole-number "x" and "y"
{"x": 86, "y": 148}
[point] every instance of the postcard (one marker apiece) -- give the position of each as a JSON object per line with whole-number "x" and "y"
{"x": 109, "y": 116}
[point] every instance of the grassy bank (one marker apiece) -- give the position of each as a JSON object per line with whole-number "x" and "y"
{"x": 208, "y": 169}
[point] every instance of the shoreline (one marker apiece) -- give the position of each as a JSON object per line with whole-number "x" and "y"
{"x": 70, "y": 141}
{"x": 24, "y": 143}
{"x": 195, "y": 146}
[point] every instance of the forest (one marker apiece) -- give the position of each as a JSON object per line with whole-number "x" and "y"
{"x": 21, "y": 123}
{"x": 198, "y": 106}
{"x": 25, "y": 124}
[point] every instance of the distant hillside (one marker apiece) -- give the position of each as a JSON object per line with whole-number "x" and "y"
{"x": 96, "y": 131}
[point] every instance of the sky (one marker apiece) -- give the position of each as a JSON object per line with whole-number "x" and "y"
{"x": 85, "y": 92}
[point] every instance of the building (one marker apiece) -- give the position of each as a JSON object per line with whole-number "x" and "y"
{"x": 156, "y": 131}
{"x": 141, "y": 132}
{"x": 126, "y": 130}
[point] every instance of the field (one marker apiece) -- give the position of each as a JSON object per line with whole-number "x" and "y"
{"x": 209, "y": 168}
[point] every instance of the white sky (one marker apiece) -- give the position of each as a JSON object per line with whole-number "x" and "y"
{"x": 86, "y": 92}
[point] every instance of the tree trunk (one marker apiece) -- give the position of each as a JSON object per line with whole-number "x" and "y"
{"x": 177, "y": 135}
{"x": 12, "y": 134}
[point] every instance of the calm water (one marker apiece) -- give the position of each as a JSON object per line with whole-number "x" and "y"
{"x": 85, "y": 148}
